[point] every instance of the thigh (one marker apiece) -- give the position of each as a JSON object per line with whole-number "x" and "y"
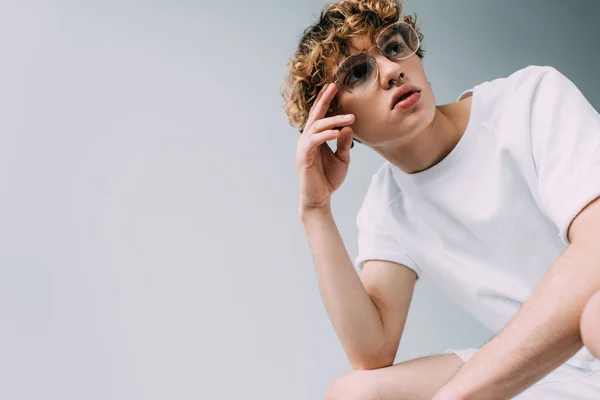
{"x": 414, "y": 380}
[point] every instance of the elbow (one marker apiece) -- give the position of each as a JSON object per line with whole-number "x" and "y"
{"x": 373, "y": 362}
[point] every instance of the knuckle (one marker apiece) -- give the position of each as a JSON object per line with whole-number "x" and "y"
{"x": 301, "y": 143}
{"x": 302, "y": 147}
{"x": 301, "y": 153}
{"x": 318, "y": 126}
{"x": 307, "y": 144}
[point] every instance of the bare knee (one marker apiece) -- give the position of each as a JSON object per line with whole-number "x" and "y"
{"x": 356, "y": 385}
{"x": 410, "y": 380}
{"x": 590, "y": 325}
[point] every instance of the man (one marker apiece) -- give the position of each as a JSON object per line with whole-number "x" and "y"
{"x": 494, "y": 197}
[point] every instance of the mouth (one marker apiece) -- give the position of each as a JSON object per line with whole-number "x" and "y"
{"x": 405, "y": 96}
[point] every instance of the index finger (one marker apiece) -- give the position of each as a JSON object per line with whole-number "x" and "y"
{"x": 308, "y": 120}
{"x": 319, "y": 109}
{"x": 323, "y": 89}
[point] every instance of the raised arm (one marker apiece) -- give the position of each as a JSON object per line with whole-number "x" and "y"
{"x": 368, "y": 315}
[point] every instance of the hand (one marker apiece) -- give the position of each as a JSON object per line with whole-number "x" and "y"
{"x": 320, "y": 170}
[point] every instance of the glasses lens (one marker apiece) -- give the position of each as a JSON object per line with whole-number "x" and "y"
{"x": 398, "y": 41}
{"x": 357, "y": 73}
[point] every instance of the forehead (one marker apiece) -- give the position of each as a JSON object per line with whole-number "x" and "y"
{"x": 359, "y": 43}
{"x": 366, "y": 41}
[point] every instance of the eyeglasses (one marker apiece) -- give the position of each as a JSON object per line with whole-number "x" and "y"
{"x": 357, "y": 73}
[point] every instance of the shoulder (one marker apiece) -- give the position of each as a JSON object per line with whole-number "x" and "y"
{"x": 531, "y": 72}
{"x": 524, "y": 82}
{"x": 523, "y": 79}
{"x": 501, "y": 99}
{"x": 528, "y": 79}
{"x": 534, "y": 91}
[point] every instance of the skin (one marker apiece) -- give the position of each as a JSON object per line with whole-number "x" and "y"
{"x": 413, "y": 140}
{"x": 590, "y": 325}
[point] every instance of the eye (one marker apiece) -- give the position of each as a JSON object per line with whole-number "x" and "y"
{"x": 394, "y": 48}
{"x": 356, "y": 73}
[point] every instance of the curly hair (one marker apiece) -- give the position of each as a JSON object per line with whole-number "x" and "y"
{"x": 327, "y": 42}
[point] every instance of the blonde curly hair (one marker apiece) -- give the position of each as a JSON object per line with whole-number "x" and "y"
{"x": 325, "y": 43}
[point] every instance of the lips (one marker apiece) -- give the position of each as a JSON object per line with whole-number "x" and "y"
{"x": 402, "y": 93}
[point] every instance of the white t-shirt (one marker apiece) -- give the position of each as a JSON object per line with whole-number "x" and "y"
{"x": 488, "y": 221}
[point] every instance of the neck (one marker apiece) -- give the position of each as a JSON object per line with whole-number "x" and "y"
{"x": 427, "y": 147}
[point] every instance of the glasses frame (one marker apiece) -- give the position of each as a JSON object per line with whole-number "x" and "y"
{"x": 367, "y": 52}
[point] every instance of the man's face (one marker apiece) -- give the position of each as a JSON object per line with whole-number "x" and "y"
{"x": 376, "y": 121}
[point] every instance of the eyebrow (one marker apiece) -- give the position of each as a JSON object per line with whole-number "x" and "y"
{"x": 389, "y": 35}
{"x": 348, "y": 49}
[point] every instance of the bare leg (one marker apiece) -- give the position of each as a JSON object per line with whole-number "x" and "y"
{"x": 590, "y": 325}
{"x": 414, "y": 380}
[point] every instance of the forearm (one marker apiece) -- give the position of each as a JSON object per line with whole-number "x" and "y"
{"x": 353, "y": 314}
{"x": 542, "y": 336}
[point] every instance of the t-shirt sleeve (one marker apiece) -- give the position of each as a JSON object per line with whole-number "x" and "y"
{"x": 565, "y": 139}
{"x": 377, "y": 237}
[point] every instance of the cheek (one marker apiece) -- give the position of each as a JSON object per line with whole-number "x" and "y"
{"x": 430, "y": 102}
{"x": 365, "y": 110}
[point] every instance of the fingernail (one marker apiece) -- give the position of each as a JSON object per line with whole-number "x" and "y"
{"x": 347, "y": 117}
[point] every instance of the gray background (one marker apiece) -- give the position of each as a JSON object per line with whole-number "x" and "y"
{"x": 149, "y": 240}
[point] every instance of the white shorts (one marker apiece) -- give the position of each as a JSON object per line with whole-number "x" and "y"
{"x": 565, "y": 382}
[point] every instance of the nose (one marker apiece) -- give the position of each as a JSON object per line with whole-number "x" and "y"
{"x": 389, "y": 72}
